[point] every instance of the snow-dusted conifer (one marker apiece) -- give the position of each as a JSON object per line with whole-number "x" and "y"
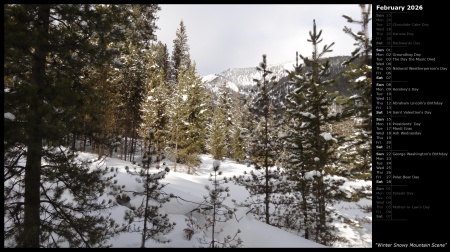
{"x": 311, "y": 148}
{"x": 156, "y": 223}
{"x": 156, "y": 105}
{"x": 263, "y": 145}
{"x": 217, "y": 142}
{"x": 180, "y": 54}
{"x": 216, "y": 214}
{"x": 52, "y": 48}
{"x": 188, "y": 118}
{"x": 360, "y": 105}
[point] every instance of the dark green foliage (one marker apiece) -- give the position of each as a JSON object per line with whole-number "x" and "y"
{"x": 50, "y": 51}
{"x": 263, "y": 145}
{"x": 188, "y": 107}
{"x": 180, "y": 54}
{"x": 156, "y": 105}
{"x": 63, "y": 223}
{"x": 156, "y": 223}
{"x": 188, "y": 117}
{"x": 311, "y": 149}
{"x": 218, "y": 133}
{"x": 360, "y": 76}
{"x": 227, "y": 122}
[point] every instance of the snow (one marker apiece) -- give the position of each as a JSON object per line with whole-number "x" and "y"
{"x": 307, "y": 114}
{"x": 216, "y": 164}
{"x": 327, "y": 136}
{"x": 289, "y": 66}
{"x": 209, "y": 77}
{"x": 9, "y": 116}
{"x": 361, "y": 78}
{"x": 232, "y": 86}
{"x": 312, "y": 174}
{"x": 190, "y": 190}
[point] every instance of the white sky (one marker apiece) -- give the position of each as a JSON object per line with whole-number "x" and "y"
{"x": 222, "y": 36}
{"x": 254, "y": 233}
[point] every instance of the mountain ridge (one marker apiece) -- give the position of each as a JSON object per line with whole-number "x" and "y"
{"x": 240, "y": 80}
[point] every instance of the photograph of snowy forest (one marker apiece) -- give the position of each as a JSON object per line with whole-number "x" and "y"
{"x": 112, "y": 138}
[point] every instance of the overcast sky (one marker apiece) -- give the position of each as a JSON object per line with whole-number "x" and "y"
{"x": 222, "y": 36}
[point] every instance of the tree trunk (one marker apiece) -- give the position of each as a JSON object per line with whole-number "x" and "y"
{"x": 84, "y": 143}
{"x": 134, "y": 149}
{"x": 132, "y": 146}
{"x": 266, "y": 152}
{"x": 29, "y": 238}
{"x": 100, "y": 151}
{"x": 74, "y": 141}
{"x": 30, "y": 235}
{"x": 121, "y": 149}
{"x": 125, "y": 149}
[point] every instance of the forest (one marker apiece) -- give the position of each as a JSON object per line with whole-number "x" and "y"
{"x": 93, "y": 77}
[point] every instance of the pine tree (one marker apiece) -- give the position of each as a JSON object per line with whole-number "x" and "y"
{"x": 311, "y": 148}
{"x": 156, "y": 104}
{"x": 162, "y": 59}
{"x": 189, "y": 115}
{"x": 358, "y": 153}
{"x": 156, "y": 223}
{"x": 217, "y": 213}
{"x": 177, "y": 113}
{"x": 103, "y": 129}
{"x": 226, "y": 126}
{"x": 48, "y": 48}
{"x": 189, "y": 105}
{"x": 240, "y": 125}
{"x": 360, "y": 75}
{"x": 247, "y": 126}
{"x": 180, "y": 53}
{"x": 225, "y": 104}
{"x": 217, "y": 144}
{"x": 130, "y": 86}
{"x": 263, "y": 143}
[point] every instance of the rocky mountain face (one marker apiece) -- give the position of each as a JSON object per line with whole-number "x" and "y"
{"x": 240, "y": 80}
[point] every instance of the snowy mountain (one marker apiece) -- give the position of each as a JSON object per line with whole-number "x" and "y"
{"x": 240, "y": 80}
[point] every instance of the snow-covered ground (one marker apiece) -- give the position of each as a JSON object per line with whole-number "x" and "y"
{"x": 190, "y": 190}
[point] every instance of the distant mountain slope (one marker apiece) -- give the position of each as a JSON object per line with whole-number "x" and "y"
{"x": 240, "y": 80}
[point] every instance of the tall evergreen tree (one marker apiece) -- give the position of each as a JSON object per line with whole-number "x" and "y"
{"x": 188, "y": 117}
{"x": 132, "y": 87}
{"x": 237, "y": 143}
{"x": 156, "y": 104}
{"x": 217, "y": 144}
{"x": 156, "y": 223}
{"x": 155, "y": 115}
{"x": 100, "y": 117}
{"x": 162, "y": 59}
{"x": 47, "y": 47}
{"x": 312, "y": 157}
{"x": 233, "y": 105}
{"x": 217, "y": 213}
{"x": 360, "y": 75}
{"x": 177, "y": 118}
{"x": 222, "y": 123}
{"x": 263, "y": 143}
{"x": 225, "y": 104}
{"x": 180, "y": 53}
